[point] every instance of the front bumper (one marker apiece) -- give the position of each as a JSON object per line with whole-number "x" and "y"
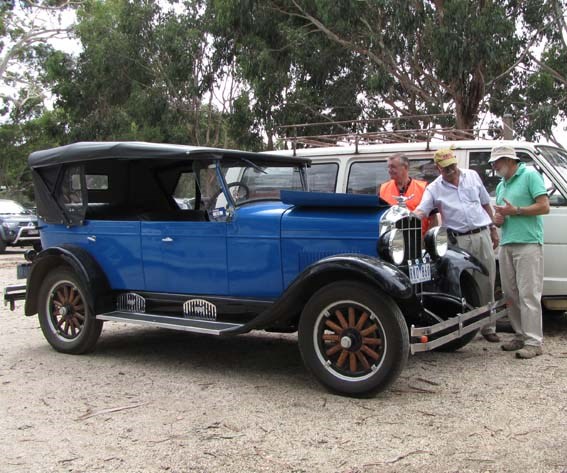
{"x": 434, "y": 336}
{"x": 25, "y": 235}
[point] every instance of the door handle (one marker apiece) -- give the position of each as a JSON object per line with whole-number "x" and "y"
{"x": 92, "y": 238}
{"x": 167, "y": 239}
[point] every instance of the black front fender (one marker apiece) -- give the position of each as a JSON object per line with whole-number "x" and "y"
{"x": 84, "y": 265}
{"x": 449, "y": 268}
{"x": 384, "y": 276}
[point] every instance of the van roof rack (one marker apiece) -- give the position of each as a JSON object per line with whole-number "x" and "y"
{"x": 359, "y": 132}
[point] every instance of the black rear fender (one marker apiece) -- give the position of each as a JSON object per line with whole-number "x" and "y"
{"x": 84, "y": 266}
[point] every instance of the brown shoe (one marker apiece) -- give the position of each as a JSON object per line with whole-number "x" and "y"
{"x": 491, "y": 337}
{"x": 529, "y": 351}
{"x": 512, "y": 345}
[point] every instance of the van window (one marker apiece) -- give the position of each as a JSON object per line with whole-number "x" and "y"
{"x": 322, "y": 177}
{"x": 366, "y": 177}
{"x": 478, "y": 160}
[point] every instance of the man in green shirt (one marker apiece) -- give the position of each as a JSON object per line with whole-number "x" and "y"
{"x": 521, "y": 200}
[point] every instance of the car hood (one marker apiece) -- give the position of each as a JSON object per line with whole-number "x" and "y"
{"x": 14, "y": 220}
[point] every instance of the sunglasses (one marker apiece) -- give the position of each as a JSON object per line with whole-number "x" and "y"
{"x": 449, "y": 169}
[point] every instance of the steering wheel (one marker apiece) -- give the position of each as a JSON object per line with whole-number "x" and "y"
{"x": 238, "y": 190}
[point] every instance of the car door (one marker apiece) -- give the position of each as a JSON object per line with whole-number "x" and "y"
{"x": 184, "y": 251}
{"x": 185, "y": 257}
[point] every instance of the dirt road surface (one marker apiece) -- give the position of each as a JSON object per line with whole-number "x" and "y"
{"x": 152, "y": 400}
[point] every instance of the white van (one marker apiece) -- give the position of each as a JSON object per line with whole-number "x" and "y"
{"x": 361, "y": 169}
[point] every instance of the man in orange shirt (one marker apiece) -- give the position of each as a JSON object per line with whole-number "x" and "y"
{"x": 401, "y": 184}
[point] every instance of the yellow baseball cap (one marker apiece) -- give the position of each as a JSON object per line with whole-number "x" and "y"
{"x": 444, "y": 157}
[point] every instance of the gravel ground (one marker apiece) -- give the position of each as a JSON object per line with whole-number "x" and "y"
{"x": 151, "y": 400}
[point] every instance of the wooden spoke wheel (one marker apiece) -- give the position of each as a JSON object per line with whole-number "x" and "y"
{"x": 67, "y": 310}
{"x": 64, "y": 314}
{"x": 353, "y": 338}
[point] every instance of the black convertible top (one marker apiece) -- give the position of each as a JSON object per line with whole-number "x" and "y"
{"x": 90, "y": 151}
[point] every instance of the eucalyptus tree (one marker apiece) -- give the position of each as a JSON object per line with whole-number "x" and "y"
{"x": 383, "y": 57}
{"x": 147, "y": 71}
{"x": 25, "y": 28}
{"x": 538, "y": 102}
{"x": 290, "y": 74}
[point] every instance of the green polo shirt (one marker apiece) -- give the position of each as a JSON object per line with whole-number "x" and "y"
{"x": 521, "y": 190}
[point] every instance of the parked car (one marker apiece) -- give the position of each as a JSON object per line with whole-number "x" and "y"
{"x": 361, "y": 169}
{"x": 347, "y": 272}
{"x": 18, "y": 226}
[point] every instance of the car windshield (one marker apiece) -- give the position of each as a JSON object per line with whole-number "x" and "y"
{"x": 249, "y": 181}
{"x": 9, "y": 207}
{"x": 557, "y": 158}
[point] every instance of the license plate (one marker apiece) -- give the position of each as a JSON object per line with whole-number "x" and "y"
{"x": 33, "y": 232}
{"x": 420, "y": 272}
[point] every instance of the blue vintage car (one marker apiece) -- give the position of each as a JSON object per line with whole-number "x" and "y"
{"x": 224, "y": 242}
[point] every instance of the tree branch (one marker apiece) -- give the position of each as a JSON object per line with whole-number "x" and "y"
{"x": 560, "y": 19}
{"x": 525, "y": 53}
{"x": 386, "y": 61}
{"x": 552, "y": 71}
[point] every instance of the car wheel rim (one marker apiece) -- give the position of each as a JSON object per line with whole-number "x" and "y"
{"x": 349, "y": 340}
{"x": 66, "y": 310}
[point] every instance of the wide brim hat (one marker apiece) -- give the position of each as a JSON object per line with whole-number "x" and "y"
{"x": 503, "y": 151}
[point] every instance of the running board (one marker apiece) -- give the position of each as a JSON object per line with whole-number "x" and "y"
{"x": 189, "y": 324}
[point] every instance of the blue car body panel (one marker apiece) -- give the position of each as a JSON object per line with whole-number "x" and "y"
{"x": 254, "y": 250}
{"x": 258, "y": 253}
{"x": 309, "y": 235}
{"x": 185, "y": 257}
{"x": 115, "y": 245}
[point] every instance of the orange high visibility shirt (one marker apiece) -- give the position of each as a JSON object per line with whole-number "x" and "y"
{"x": 389, "y": 190}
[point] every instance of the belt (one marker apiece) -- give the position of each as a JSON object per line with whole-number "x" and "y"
{"x": 471, "y": 232}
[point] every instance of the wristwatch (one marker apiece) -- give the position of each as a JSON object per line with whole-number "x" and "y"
{"x": 518, "y": 210}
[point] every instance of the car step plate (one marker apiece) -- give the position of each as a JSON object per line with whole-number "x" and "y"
{"x": 176, "y": 323}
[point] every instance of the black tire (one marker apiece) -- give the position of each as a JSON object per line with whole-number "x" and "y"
{"x": 2, "y": 246}
{"x": 37, "y": 246}
{"x": 64, "y": 315}
{"x": 370, "y": 331}
{"x": 471, "y": 293}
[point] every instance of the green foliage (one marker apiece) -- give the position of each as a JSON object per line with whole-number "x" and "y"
{"x": 295, "y": 76}
{"x": 148, "y": 69}
{"x": 145, "y": 73}
{"x": 17, "y": 141}
{"x": 536, "y": 97}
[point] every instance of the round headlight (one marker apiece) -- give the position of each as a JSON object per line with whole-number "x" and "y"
{"x": 396, "y": 248}
{"x": 436, "y": 242}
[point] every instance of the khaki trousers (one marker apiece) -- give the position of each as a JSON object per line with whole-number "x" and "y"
{"x": 480, "y": 246}
{"x": 521, "y": 272}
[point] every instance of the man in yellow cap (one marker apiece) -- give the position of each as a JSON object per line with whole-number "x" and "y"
{"x": 464, "y": 205}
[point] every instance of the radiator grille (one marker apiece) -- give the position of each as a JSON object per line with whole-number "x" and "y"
{"x": 411, "y": 228}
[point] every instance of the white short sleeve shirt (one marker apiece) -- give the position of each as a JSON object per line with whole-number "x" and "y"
{"x": 460, "y": 206}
